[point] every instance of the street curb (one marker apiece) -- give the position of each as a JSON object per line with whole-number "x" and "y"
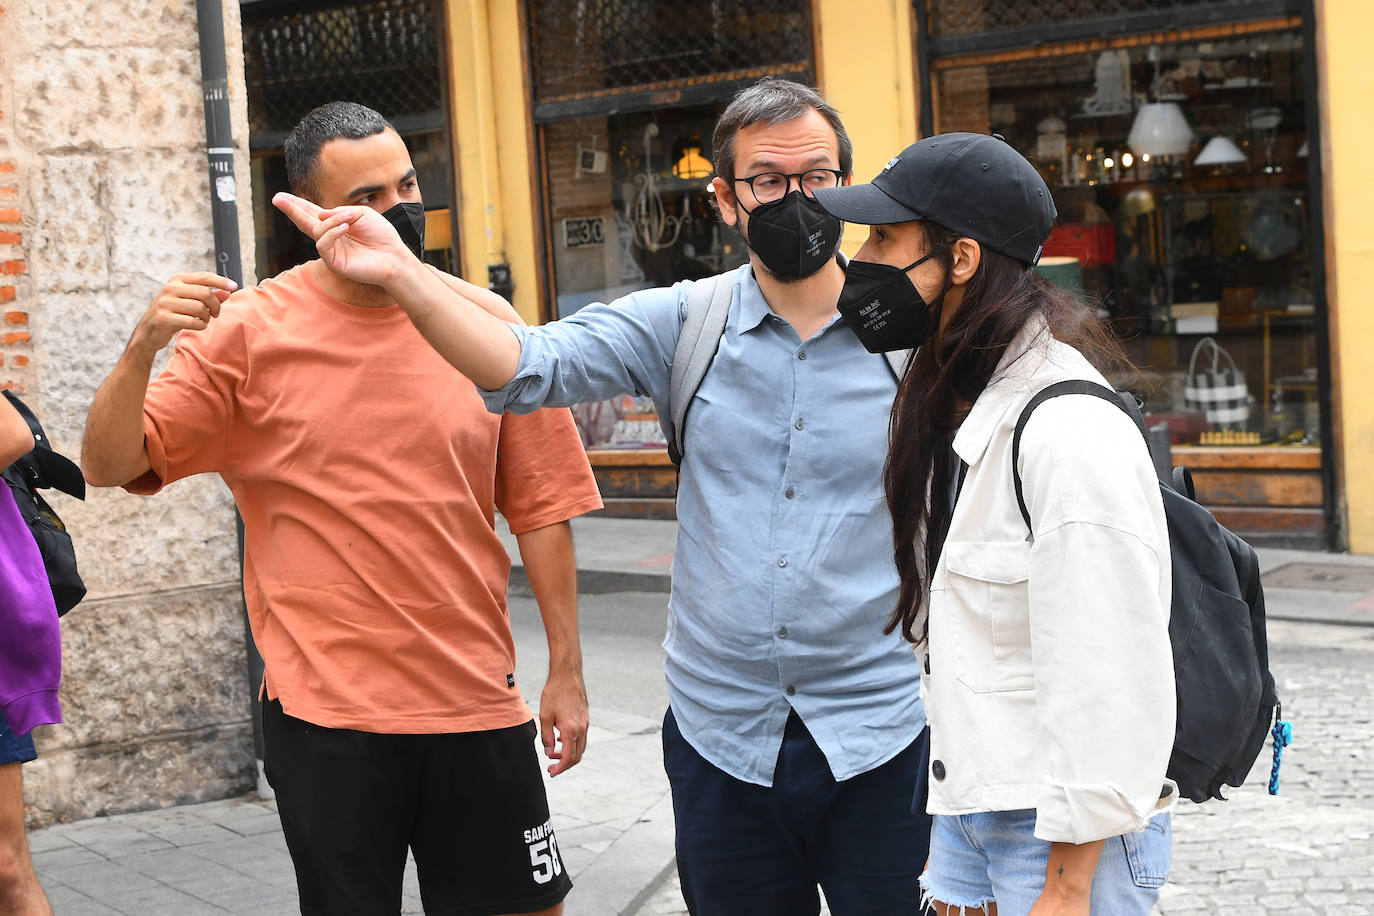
{"x": 644, "y": 896}
{"x": 1337, "y": 621}
{"x": 602, "y": 581}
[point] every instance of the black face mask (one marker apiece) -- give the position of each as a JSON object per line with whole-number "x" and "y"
{"x": 409, "y": 219}
{"x": 793, "y": 236}
{"x": 883, "y": 307}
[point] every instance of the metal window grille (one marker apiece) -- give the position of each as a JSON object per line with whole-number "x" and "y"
{"x": 385, "y": 54}
{"x": 596, "y": 47}
{"x": 956, "y": 27}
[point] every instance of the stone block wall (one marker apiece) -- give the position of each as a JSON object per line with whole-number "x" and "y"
{"x": 103, "y": 195}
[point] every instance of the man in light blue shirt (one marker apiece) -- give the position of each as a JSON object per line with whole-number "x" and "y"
{"x": 792, "y": 742}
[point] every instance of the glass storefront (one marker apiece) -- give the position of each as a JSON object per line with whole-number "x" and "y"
{"x": 1181, "y": 175}
{"x": 626, "y": 94}
{"x": 630, "y": 205}
{"x": 386, "y": 54}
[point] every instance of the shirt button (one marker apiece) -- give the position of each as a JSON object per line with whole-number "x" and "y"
{"x": 791, "y": 691}
{"x": 800, "y": 424}
{"x": 782, "y": 561}
{"x": 937, "y": 769}
{"x": 782, "y": 632}
{"x": 801, "y": 355}
{"x": 790, "y": 492}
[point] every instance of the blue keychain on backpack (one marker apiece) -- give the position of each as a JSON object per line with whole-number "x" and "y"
{"x": 1283, "y": 736}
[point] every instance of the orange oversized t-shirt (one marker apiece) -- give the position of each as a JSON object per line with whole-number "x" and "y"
{"x": 367, "y": 472}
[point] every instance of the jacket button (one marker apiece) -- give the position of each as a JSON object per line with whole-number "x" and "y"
{"x": 927, "y": 664}
{"x": 800, "y": 424}
{"x": 791, "y": 691}
{"x": 790, "y": 492}
{"x": 937, "y": 769}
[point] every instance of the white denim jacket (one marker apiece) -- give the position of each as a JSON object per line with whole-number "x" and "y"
{"x": 1048, "y": 677}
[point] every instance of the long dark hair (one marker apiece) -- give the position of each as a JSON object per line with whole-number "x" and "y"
{"x": 945, "y": 377}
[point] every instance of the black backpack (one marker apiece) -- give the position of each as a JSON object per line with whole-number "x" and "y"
{"x": 1227, "y": 699}
{"x": 44, "y": 468}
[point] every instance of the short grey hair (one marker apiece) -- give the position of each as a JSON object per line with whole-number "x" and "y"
{"x": 330, "y": 121}
{"x": 773, "y": 101}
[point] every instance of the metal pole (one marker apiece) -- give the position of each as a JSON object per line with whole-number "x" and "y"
{"x": 926, "y": 125}
{"x": 224, "y": 212}
{"x": 219, "y": 140}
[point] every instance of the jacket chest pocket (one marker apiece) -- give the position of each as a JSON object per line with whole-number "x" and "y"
{"x": 987, "y": 602}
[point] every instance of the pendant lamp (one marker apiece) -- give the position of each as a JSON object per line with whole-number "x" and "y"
{"x": 1160, "y": 130}
{"x": 1220, "y": 151}
{"x": 692, "y": 164}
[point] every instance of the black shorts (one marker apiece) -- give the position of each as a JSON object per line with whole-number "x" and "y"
{"x": 471, "y": 806}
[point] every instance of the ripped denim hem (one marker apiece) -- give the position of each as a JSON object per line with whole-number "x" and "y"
{"x": 928, "y": 901}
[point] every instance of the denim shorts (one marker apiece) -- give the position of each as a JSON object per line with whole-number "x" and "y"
{"x": 977, "y": 859}
{"x": 14, "y": 748}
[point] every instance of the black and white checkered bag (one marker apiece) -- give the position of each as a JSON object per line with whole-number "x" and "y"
{"x": 1220, "y": 393}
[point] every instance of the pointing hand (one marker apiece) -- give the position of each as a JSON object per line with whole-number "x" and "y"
{"x": 354, "y": 242}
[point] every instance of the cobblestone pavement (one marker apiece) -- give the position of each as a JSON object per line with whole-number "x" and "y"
{"x": 1308, "y": 850}
{"x": 1311, "y": 848}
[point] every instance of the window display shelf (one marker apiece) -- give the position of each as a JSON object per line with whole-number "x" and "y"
{"x": 635, "y": 482}
{"x": 1259, "y": 492}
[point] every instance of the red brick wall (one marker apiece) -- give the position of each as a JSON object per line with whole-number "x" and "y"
{"x": 15, "y": 338}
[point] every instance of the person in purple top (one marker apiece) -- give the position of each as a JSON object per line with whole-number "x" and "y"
{"x": 30, "y": 664}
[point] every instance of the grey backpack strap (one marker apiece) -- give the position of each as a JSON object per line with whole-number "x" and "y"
{"x": 898, "y": 361}
{"x": 708, "y": 308}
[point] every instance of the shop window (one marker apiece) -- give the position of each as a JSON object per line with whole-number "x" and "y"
{"x": 626, "y": 94}
{"x": 959, "y": 17}
{"x": 1181, "y": 175}
{"x": 598, "y": 46}
{"x": 630, "y": 206}
{"x": 385, "y": 54}
{"x": 629, "y": 209}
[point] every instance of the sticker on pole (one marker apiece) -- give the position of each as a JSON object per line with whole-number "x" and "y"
{"x": 225, "y": 189}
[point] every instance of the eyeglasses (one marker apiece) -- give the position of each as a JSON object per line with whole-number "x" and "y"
{"x": 770, "y": 186}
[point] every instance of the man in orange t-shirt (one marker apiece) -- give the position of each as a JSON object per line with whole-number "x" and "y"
{"x": 367, "y": 472}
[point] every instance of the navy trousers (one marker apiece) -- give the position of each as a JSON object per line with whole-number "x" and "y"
{"x": 754, "y": 850}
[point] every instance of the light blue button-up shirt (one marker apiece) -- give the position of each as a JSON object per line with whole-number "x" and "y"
{"x": 783, "y": 573}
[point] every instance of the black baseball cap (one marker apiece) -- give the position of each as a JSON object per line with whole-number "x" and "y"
{"x": 974, "y": 184}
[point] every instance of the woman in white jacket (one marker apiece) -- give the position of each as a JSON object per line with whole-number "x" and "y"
{"x": 1048, "y": 678}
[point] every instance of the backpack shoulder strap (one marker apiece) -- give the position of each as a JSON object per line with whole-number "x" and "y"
{"x": 1071, "y": 386}
{"x": 29, "y": 418}
{"x": 44, "y": 467}
{"x": 708, "y": 308}
{"x": 898, "y": 361}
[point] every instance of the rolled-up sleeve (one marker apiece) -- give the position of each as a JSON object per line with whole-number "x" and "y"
{"x": 603, "y": 350}
{"x": 1099, "y": 589}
